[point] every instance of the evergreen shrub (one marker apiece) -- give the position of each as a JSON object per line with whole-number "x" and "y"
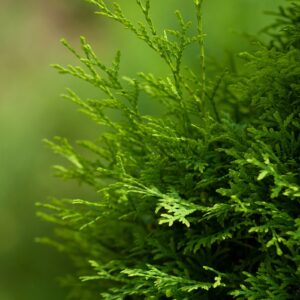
{"x": 202, "y": 201}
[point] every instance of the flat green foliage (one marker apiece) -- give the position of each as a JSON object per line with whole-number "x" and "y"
{"x": 200, "y": 202}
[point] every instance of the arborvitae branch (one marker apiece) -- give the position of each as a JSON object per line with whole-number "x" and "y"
{"x": 199, "y": 7}
{"x": 187, "y": 206}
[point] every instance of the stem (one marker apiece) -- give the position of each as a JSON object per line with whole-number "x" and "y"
{"x": 198, "y": 4}
{"x": 212, "y": 97}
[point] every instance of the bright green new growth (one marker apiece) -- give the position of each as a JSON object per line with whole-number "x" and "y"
{"x": 201, "y": 202}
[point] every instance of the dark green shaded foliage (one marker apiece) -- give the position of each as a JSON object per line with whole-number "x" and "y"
{"x": 201, "y": 202}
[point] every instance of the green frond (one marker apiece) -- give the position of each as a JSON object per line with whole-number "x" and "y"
{"x": 199, "y": 201}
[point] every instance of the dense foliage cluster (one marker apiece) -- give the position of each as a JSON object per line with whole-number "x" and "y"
{"x": 202, "y": 201}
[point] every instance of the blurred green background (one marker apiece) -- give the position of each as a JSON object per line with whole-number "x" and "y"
{"x": 31, "y": 109}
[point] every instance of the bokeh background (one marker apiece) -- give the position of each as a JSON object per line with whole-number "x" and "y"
{"x": 31, "y": 109}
